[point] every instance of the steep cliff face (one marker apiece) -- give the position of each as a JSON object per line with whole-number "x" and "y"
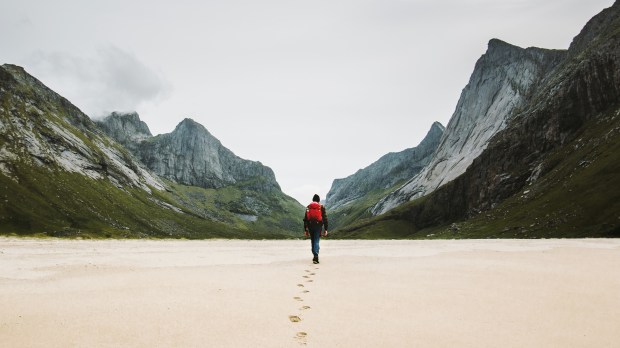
{"x": 385, "y": 172}
{"x": 552, "y": 170}
{"x": 126, "y": 128}
{"x": 39, "y": 127}
{"x": 60, "y": 175}
{"x": 189, "y": 155}
{"x": 504, "y": 78}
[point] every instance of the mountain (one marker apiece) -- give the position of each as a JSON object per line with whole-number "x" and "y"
{"x": 550, "y": 171}
{"x": 350, "y": 198}
{"x": 504, "y": 78}
{"x": 41, "y": 128}
{"x": 385, "y": 172}
{"x": 60, "y": 175}
{"x": 189, "y": 155}
{"x": 126, "y": 128}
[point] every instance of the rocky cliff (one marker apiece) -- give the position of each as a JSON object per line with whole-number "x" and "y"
{"x": 503, "y": 80}
{"x": 60, "y": 175}
{"x": 126, "y": 128}
{"x": 386, "y": 172}
{"x": 39, "y": 127}
{"x": 189, "y": 155}
{"x": 553, "y": 169}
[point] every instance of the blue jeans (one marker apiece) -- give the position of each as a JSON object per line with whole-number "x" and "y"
{"x": 315, "y": 237}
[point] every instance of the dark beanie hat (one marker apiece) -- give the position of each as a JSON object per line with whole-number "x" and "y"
{"x": 316, "y": 198}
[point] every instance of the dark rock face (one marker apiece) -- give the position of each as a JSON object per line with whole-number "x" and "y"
{"x": 504, "y": 79}
{"x": 584, "y": 86}
{"x": 385, "y": 172}
{"x": 189, "y": 155}
{"x": 126, "y": 129}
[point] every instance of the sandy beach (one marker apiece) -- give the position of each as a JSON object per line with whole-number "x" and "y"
{"x": 475, "y": 293}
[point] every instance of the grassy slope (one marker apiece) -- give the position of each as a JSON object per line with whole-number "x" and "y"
{"x": 276, "y": 213}
{"x": 351, "y": 213}
{"x": 578, "y": 198}
{"x": 45, "y": 200}
{"x": 58, "y": 203}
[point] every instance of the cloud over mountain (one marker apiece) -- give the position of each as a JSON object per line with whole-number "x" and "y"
{"x": 117, "y": 79}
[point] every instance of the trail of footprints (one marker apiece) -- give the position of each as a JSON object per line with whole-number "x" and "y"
{"x": 301, "y": 336}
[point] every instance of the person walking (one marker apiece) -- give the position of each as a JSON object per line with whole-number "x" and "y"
{"x": 314, "y": 221}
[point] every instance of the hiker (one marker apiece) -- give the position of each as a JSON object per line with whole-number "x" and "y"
{"x": 314, "y": 220}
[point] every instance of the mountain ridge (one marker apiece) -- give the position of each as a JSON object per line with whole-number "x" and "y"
{"x": 384, "y": 172}
{"x": 548, "y": 172}
{"x": 62, "y": 176}
{"x": 502, "y": 81}
{"x": 189, "y": 155}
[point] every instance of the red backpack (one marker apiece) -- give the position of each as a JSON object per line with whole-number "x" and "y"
{"x": 313, "y": 212}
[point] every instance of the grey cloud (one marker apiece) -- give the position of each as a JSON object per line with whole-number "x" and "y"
{"x": 110, "y": 80}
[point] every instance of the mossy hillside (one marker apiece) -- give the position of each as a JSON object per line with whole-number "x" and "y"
{"x": 33, "y": 106}
{"x": 58, "y": 203}
{"x": 391, "y": 225}
{"x": 359, "y": 209}
{"x": 575, "y": 197}
{"x": 265, "y": 213}
{"x": 578, "y": 197}
{"x": 40, "y": 197}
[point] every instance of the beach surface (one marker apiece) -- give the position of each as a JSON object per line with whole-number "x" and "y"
{"x": 220, "y": 293}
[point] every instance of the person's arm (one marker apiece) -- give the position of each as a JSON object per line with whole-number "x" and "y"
{"x": 306, "y": 225}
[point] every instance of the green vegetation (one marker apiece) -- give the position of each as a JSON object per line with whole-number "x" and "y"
{"x": 577, "y": 197}
{"x": 359, "y": 209}
{"x": 38, "y": 198}
{"x": 62, "y": 204}
{"x": 265, "y": 213}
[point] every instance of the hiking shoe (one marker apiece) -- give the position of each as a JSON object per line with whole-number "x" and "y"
{"x": 315, "y": 259}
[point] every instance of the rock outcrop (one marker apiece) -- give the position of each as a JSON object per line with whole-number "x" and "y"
{"x": 126, "y": 128}
{"x": 575, "y": 108}
{"x": 38, "y": 126}
{"x": 504, "y": 79}
{"x": 62, "y": 176}
{"x": 189, "y": 155}
{"x": 385, "y": 172}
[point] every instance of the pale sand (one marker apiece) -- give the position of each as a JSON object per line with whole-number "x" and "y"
{"x": 481, "y": 293}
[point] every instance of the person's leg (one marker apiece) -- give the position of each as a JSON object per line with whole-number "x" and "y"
{"x": 315, "y": 236}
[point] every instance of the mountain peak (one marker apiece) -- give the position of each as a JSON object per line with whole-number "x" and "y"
{"x": 386, "y": 172}
{"x": 189, "y": 121}
{"x": 438, "y": 126}
{"x": 126, "y": 128}
{"x": 497, "y": 43}
{"x": 593, "y": 31}
{"x": 188, "y": 124}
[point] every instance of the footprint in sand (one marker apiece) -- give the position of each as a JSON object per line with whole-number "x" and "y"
{"x": 294, "y": 318}
{"x": 297, "y": 298}
{"x": 304, "y": 308}
{"x": 301, "y": 337}
{"x": 309, "y": 281}
{"x": 306, "y": 276}
{"x": 306, "y": 291}
{"x": 300, "y": 285}
{"x": 312, "y": 273}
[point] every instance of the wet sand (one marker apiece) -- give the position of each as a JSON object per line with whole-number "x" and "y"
{"x": 476, "y": 293}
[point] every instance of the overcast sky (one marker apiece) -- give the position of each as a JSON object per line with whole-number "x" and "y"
{"x": 314, "y": 89}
